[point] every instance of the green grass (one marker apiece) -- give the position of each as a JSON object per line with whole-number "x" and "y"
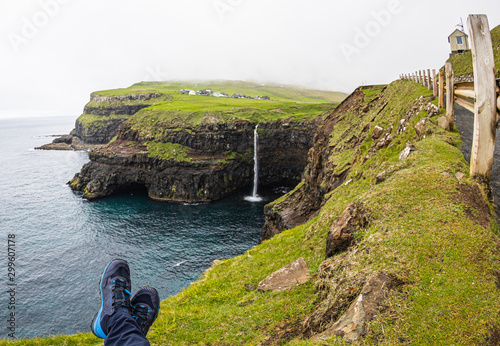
{"x": 168, "y": 151}
{"x": 280, "y": 93}
{"x": 420, "y": 231}
{"x": 96, "y": 120}
{"x": 199, "y": 110}
{"x": 175, "y": 111}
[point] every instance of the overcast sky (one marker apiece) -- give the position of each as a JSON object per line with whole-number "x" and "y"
{"x": 54, "y": 53}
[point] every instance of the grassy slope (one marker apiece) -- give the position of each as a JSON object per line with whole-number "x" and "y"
{"x": 462, "y": 64}
{"x": 420, "y": 232}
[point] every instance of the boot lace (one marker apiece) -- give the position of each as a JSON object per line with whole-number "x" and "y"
{"x": 142, "y": 313}
{"x": 121, "y": 294}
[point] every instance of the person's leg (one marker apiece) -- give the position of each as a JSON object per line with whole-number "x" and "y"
{"x": 113, "y": 321}
{"x": 123, "y": 330}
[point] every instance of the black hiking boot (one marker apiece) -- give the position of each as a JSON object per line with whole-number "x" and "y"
{"x": 115, "y": 290}
{"x": 145, "y": 307}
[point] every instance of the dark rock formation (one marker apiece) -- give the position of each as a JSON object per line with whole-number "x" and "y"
{"x": 209, "y": 173}
{"x": 110, "y": 112}
{"x": 106, "y": 114}
{"x": 164, "y": 179}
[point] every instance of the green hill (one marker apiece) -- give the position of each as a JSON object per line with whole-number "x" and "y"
{"x": 430, "y": 232}
{"x": 147, "y": 103}
{"x": 275, "y": 92}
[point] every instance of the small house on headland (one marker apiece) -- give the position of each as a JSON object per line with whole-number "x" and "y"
{"x": 459, "y": 42}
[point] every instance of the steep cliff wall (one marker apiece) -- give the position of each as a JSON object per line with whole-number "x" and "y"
{"x": 197, "y": 164}
{"x": 195, "y": 148}
{"x": 104, "y": 114}
{"x": 338, "y": 146}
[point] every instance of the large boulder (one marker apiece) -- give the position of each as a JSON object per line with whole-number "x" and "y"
{"x": 291, "y": 275}
{"x": 341, "y": 233}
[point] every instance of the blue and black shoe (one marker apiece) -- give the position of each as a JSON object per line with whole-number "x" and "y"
{"x": 115, "y": 290}
{"x": 145, "y": 307}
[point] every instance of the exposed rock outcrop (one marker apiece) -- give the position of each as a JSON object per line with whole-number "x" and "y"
{"x": 289, "y": 276}
{"x": 103, "y": 115}
{"x": 218, "y": 160}
{"x": 337, "y": 148}
{"x": 352, "y": 324}
{"x": 341, "y": 234}
{"x": 101, "y": 118}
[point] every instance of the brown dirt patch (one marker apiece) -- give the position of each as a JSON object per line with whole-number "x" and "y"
{"x": 283, "y": 333}
{"x": 476, "y": 208}
{"x": 494, "y": 337}
{"x": 496, "y": 274}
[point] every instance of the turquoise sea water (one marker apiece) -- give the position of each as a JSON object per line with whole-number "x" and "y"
{"x": 63, "y": 242}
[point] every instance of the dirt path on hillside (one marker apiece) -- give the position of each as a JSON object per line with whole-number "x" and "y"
{"x": 464, "y": 121}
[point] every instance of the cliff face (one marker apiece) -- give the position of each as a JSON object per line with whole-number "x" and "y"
{"x": 337, "y": 148}
{"x": 103, "y": 115}
{"x": 323, "y": 173}
{"x": 194, "y": 148}
{"x": 198, "y": 164}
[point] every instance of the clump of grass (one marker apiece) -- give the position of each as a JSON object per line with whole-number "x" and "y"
{"x": 168, "y": 151}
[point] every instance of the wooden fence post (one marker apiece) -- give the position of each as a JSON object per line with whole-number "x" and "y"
{"x": 441, "y": 88}
{"x": 483, "y": 62}
{"x": 429, "y": 81}
{"x": 434, "y": 82}
{"x": 450, "y": 94}
{"x": 424, "y": 80}
{"x": 420, "y": 77}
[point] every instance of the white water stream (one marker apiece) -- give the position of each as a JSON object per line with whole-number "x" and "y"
{"x": 255, "y": 197}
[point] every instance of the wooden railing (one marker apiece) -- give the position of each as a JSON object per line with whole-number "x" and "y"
{"x": 481, "y": 96}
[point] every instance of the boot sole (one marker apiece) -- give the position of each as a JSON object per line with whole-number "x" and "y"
{"x": 95, "y": 326}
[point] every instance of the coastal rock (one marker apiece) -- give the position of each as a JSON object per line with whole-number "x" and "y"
{"x": 291, "y": 275}
{"x": 66, "y": 142}
{"x": 103, "y": 115}
{"x": 352, "y": 325}
{"x": 341, "y": 233}
{"x": 321, "y": 175}
{"x": 218, "y": 160}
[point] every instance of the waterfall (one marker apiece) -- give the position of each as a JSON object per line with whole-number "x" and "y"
{"x": 255, "y": 161}
{"x": 255, "y": 197}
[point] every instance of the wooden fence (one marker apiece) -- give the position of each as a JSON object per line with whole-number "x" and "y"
{"x": 481, "y": 96}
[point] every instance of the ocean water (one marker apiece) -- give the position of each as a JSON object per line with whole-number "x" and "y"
{"x": 63, "y": 242}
